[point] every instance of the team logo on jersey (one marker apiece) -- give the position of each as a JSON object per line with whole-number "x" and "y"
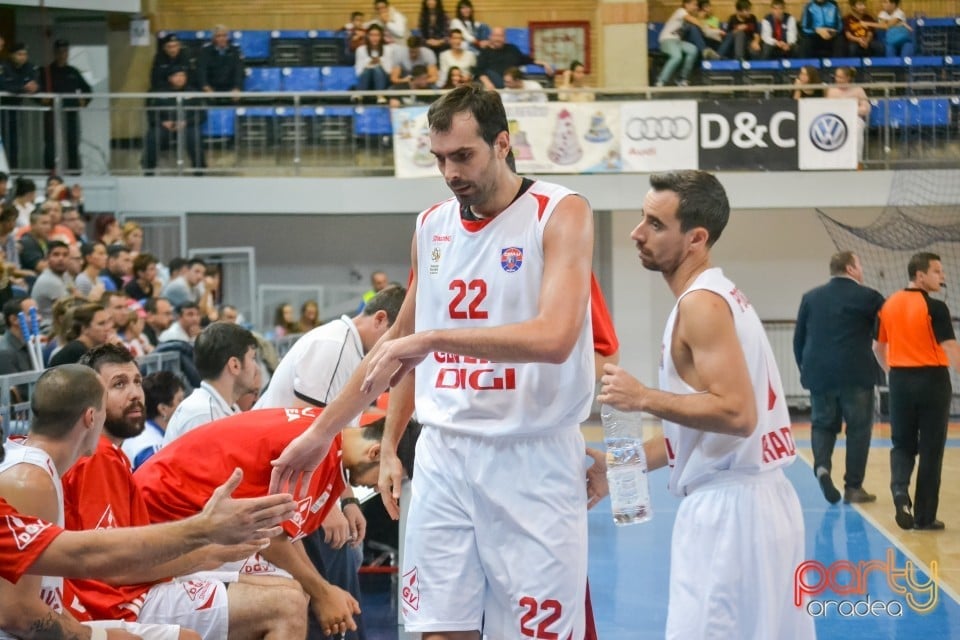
{"x": 511, "y": 259}
{"x": 411, "y": 589}
{"x": 434, "y": 260}
{"x": 25, "y": 533}
{"x": 107, "y": 520}
{"x": 202, "y": 592}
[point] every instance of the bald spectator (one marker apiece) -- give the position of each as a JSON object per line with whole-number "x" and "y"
{"x": 499, "y": 56}
{"x": 220, "y": 63}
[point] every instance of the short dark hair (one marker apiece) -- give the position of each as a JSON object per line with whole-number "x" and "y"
{"x": 194, "y": 261}
{"x": 61, "y": 396}
{"x": 108, "y": 353}
{"x": 778, "y": 3}
{"x": 187, "y": 304}
{"x": 11, "y": 308}
{"x": 414, "y": 42}
{"x": 920, "y": 263}
{"x": 116, "y": 249}
{"x": 56, "y": 244}
{"x": 453, "y": 31}
{"x": 418, "y": 71}
{"x": 150, "y": 306}
{"x": 840, "y": 261}
{"x": 159, "y": 388}
{"x": 218, "y": 343}
{"x": 485, "y": 106}
{"x": 703, "y": 201}
{"x": 142, "y": 262}
{"x": 513, "y": 72}
{"x": 8, "y": 212}
{"x": 22, "y": 186}
{"x": 743, "y": 5}
{"x": 406, "y": 448}
{"x": 4, "y": 176}
{"x": 389, "y": 300}
{"x": 354, "y": 14}
{"x": 176, "y": 264}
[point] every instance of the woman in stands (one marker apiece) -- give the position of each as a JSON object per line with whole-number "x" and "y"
{"x": 309, "y": 316}
{"x": 455, "y": 78}
{"x": 88, "y": 281}
{"x": 372, "y": 64}
{"x": 90, "y": 326}
{"x": 133, "y": 238}
{"x": 574, "y": 78}
{"x": 476, "y": 35}
{"x": 107, "y": 230}
{"x": 434, "y": 25}
{"x": 283, "y": 322}
{"x": 807, "y": 84}
{"x": 842, "y": 77}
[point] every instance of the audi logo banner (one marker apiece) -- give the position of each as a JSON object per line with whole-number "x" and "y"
{"x": 659, "y": 136}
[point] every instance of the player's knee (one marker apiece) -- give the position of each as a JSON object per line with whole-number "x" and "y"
{"x": 287, "y": 605}
{"x": 187, "y": 634}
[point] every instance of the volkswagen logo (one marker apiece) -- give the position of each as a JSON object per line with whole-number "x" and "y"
{"x": 659, "y": 128}
{"x": 828, "y": 132}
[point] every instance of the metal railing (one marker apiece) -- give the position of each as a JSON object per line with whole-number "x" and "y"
{"x": 349, "y": 133}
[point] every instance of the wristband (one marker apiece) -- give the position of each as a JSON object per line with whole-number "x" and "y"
{"x": 345, "y": 501}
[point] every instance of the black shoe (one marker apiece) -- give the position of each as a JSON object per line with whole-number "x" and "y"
{"x": 936, "y": 525}
{"x": 857, "y": 496}
{"x": 904, "y": 515}
{"x": 830, "y": 492}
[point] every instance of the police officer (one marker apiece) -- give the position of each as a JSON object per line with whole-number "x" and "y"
{"x": 21, "y": 78}
{"x": 167, "y": 120}
{"x": 171, "y": 54}
{"x": 220, "y": 64}
{"x": 63, "y": 78}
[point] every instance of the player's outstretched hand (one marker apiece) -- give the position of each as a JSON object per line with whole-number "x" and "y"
{"x": 620, "y": 390}
{"x": 391, "y": 477}
{"x": 296, "y": 464}
{"x": 230, "y": 521}
{"x": 597, "y": 487}
{"x": 335, "y": 608}
{"x": 391, "y": 361}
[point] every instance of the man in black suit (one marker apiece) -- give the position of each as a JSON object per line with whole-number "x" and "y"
{"x": 833, "y": 347}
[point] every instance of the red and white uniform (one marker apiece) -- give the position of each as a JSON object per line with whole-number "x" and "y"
{"x": 22, "y": 540}
{"x": 741, "y": 517}
{"x": 605, "y": 341}
{"x": 177, "y": 481}
{"x": 99, "y": 493}
{"x": 491, "y": 430}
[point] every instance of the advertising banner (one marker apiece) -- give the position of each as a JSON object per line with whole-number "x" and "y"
{"x": 659, "y": 135}
{"x": 756, "y": 135}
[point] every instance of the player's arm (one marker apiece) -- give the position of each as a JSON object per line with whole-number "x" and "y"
{"x": 399, "y": 411}
{"x": 726, "y": 403}
{"x": 103, "y": 553}
{"x": 333, "y": 607}
{"x": 952, "y": 349}
{"x": 23, "y": 614}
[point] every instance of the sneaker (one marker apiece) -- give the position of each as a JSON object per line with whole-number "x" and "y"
{"x": 830, "y": 492}
{"x": 857, "y": 496}
{"x": 683, "y": 83}
{"x": 904, "y": 515}
{"x": 936, "y": 525}
{"x": 710, "y": 54}
{"x": 659, "y": 83}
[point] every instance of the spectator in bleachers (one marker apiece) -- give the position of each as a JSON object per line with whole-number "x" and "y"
{"x": 119, "y": 268}
{"x": 356, "y": 36}
{"x": 713, "y": 34}
{"x": 820, "y": 30}
{"x": 176, "y": 268}
{"x": 841, "y": 88}
{"x": 309, "y": 316}
{"x": 52, "y": 284}
{"x": 187, "y": 327}
{"x": 456, "y": 56}
{"x": 133, "y": 338}
{"x": 899, "y": 41}
{"x": 373, "y": 60}
{"x": 90, "y": 326}
{"x": 210, "y": 294}
{"x": 434, "y": 25}
{"x": 22, "y": 79}
{"x": 393, "y": 23}
{"x": 499, "y": 56}
{"x": 743, "y": 35}
{"x": 778, "y": 31}
{"x": 518, "y": 89}
{"x": 419, "y": 81}
{"x": 220, "y": 64}
{"x": 8, "y": 239}
{"x": 107, "y": 229}
{"x": 574, "y": 78}
{"x": 166, "y": 121}
{"x": 455, "y": 78}
{"x": 186, "y": 286}
{"x": 858, "y": 32}
{"x": 14, "y": 355}
{"x": 4, "y": 176}
{"x": 132, "y": 237}
{"x": 405, "y": 58}
{"x": 163, "y": 392}
{"x": 144, "y": 283}
{"x": 476, "y": 35}
{"x": 159, "y": 318}
{"x": 284, "y": 323}
{"x": 58, "y": 231}
{"x": 115, "y": 303}
{"x": 65, "y": 79}
{"x": 674, "y": 44}
{"x": 171, "y": 54}
{"x": 88, "y": 282}
{"x": 807, "y": 84}
{"x": 74, "y": 221}
{"x": 60, "y": 325}
{"x": 24, "y": 199}
{"x": 33, "y": 245}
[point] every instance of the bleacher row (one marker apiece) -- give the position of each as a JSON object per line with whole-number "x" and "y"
{"x": 909, "y": 69}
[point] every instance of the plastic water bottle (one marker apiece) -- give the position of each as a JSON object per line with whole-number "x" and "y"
{"x": 626, "y": 466}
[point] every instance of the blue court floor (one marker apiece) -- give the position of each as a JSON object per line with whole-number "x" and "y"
{"x": 629, "y": 573}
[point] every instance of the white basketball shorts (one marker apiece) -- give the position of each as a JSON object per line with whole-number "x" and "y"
{"x": 189, "y": 601}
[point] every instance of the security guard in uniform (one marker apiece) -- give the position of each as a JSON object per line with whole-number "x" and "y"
{"x": 62, "y": 78}
{"x": 21, "y": 78}
{"x": 220, "y": 64}
{"x": 171, "y": 55}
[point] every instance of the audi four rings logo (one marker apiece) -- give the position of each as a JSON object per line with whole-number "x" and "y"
{"x": 828, "y": 132}
{"x": 659, "y": 128}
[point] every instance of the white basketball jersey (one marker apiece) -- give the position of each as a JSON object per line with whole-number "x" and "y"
{"x": 483, "y": 274}
{"x": 697, "y": 457}
{"x": 51, "y": 589}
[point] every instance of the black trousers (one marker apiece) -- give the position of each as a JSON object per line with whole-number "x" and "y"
{"x": 919, "y": 412}
{"x": 71, "y": 135}
{"x": 159, "y": 138}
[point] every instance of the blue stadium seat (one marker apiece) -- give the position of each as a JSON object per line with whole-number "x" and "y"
{"x": 189, "y": 36}
{"x": 519, "y": 37}
{"x": 890, "y": 112}
{"x": 221, "y": 123}
{"x": 927, "y": 112}
{"x": 301, "y": 79}
{"x": 883, "y": 69}
{"x": 761, "y": 71}
{"x": 796, "y": 63}
{"x": 833, "y": 63}
{"x": 255, "y": 45}
{"x": 721, "y": 71}
{"x": 337, "y": 78}
{"x": 262, "y": 79}
{"x": 372, "y": 121}
{"x": 653, "y": 35}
